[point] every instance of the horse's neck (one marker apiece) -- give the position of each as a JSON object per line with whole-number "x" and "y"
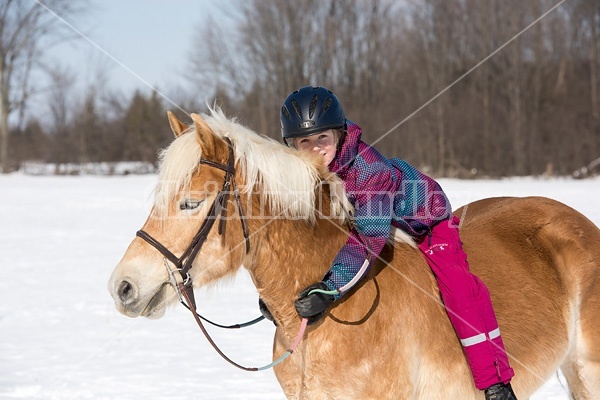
{"x": 290, "y": 255}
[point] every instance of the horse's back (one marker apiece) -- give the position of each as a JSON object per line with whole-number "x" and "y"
{"x": 541, "y": 262}
{"x": 535, "y": 229}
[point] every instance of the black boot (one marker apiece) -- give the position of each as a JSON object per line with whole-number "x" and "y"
{"x": 500, "y": 391}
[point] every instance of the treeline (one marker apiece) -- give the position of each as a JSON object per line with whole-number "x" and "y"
{"x": 100, "y": 130}
{"x": 531, "y": 108}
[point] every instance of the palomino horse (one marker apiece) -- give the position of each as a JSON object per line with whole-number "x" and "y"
{"x": 391, "y": 338}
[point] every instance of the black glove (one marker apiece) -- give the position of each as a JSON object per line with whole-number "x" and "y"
{"x": 264, "y": 310}
{"x": 313, "y": 306}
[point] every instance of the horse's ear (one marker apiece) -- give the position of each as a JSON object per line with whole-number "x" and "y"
{"x": 177, "y": 126}
{"x": 205, "y": 135}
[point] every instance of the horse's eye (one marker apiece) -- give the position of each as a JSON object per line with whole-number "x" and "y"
{"x": 189, "y": 204}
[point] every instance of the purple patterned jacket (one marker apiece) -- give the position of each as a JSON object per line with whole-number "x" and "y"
{"x": 384, "y": 193}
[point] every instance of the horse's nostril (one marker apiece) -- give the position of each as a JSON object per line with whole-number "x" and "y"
{"x": 125, "y": 291}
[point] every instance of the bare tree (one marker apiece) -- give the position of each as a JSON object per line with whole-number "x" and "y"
{"x": 280, "y": 45}
{"x": 62, "y": 82}
{"x": 26, "y": 33}
{"x": 586, "y": 14}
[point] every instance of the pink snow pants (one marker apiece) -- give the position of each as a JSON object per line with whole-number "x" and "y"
{"x": 468, "y": 304}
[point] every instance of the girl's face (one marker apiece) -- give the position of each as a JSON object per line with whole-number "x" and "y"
{"x": 324, "y": 143}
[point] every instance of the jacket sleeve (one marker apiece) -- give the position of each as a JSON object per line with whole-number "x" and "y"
{"x": 372, "y": 223}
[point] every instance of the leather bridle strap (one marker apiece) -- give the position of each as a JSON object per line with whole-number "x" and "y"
{"x": 228, "y": 185}
{"x": 159, "y": 246}
{"x": 186, "y": 294}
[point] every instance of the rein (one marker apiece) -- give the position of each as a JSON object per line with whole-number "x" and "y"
{"x": 183, "y": 264}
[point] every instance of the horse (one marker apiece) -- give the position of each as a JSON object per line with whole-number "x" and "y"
{"x": 390, "y": 337}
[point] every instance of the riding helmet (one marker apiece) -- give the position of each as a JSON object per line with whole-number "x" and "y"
{"x": 309, "y": 110}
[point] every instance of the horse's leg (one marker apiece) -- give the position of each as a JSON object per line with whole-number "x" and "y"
{"x": 590, "y": 372}
{"x": 582, "y": 370}
{"x": 288, "y": 373}
{"x": 587, "y": 347}
{"x": 571, "y": 369}
{"x": 582, "y": 365}
{"x": 587, "y": 364}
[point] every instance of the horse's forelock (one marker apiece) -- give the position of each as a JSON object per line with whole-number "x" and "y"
{"x": 287, "y": 178}
{"x": 177, "y": 164}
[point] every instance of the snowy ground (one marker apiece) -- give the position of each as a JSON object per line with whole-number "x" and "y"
{"x": 61, "y": 337}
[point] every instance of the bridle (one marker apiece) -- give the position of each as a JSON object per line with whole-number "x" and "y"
{"x": 217, "y": 209}
{"x": 183, "y": 264}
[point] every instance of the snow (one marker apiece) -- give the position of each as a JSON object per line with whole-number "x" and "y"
{"x": 62, "y": 338}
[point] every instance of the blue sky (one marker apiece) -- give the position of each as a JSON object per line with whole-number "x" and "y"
{"x": 153, "y": 38}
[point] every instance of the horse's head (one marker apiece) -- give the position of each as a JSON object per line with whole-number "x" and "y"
{"x": 198, "y": 178}
{"x": 194, "y": 191}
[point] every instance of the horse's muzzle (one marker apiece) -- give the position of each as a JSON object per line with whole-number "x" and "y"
{"x": 132, "y": 301}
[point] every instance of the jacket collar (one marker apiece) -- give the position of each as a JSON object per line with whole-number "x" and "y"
{"x": 348, "y": 150}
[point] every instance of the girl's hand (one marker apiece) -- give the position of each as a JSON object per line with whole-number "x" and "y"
{"x": 313, "y": 305}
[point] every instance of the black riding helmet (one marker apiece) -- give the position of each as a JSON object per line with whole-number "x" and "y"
{"x": 309, "y": 110}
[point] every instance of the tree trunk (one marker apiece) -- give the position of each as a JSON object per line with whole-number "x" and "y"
{"x": 4, "y": 134}
{"x": 594, "y": 68}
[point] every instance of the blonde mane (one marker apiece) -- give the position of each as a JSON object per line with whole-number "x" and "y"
{"x": 286, "y": 178}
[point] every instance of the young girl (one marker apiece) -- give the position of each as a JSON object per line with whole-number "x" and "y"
{"x": 312, "y": 119}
